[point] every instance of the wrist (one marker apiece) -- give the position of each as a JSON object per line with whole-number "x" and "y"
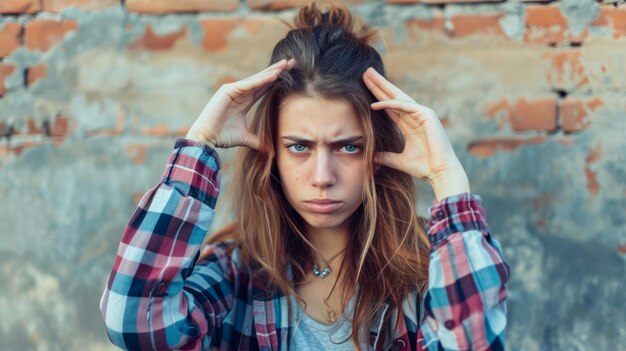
{"x": 452, "y": 183}
{"x": 198, "y": 138}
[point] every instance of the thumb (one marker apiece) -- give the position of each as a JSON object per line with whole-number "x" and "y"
{"x": 389, "y": 159}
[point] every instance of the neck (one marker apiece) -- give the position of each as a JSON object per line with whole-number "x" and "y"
{"x": 328, "y": 242}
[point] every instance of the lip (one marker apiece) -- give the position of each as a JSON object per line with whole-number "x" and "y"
{"x": 322, "y": 206}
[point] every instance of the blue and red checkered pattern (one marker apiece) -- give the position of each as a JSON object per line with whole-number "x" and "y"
{"x": 158, "y": 298}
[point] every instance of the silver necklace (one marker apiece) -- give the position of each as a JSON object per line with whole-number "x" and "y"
{"x": 326, "y": 270}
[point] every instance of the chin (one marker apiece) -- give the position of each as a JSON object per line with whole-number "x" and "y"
{"x": 324, "y": 221}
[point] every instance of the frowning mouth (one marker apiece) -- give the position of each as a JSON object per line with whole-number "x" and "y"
{"x": 322, "y": 205}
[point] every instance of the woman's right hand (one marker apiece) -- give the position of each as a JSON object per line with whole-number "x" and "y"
{"x": 222, "y": 123}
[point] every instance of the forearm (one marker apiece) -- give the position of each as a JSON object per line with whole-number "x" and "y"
{"x": 144, "y": 295}
{"x": 465, "y": 303}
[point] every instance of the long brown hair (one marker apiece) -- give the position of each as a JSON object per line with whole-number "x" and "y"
{"x": 387, "y": 255}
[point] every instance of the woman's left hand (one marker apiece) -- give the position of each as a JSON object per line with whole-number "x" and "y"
{"x": 428, "y": 153}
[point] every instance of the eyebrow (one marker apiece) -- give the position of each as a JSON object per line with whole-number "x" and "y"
{"x": 348, "y": 140}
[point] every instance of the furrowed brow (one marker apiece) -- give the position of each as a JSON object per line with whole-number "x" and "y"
{"x": 348, "y": 140}
{"x": 296, "y": 139}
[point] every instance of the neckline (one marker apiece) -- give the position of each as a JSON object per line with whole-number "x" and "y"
{"x": 300, "y": 315}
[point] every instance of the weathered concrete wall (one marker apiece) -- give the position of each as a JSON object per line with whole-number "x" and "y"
{"x": 533, "y": 95}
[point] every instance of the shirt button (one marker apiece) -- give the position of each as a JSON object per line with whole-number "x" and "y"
{"x": 449, "y": 324}
{"x": 439, "y": 214}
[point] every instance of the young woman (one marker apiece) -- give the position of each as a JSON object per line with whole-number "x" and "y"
{"x": 327, "y": 250}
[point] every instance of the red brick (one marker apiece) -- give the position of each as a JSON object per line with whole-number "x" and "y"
{"x": 415, "y": 25}
{"x": 42, "y": 34}
{"x": 19, "y": 6}
{"x": 574, "y": 112}
{"x": 476, "y": 24}
{"x": 536, "y": 114}
{"x": 152, "y": 41}
{"x": 5, "y": 70}
{"x": 545, "y": 24}
{"x": 489, "y": 147}
{"x": 165, "y": 6}
{"x": 567, "y": 71}
{"x": 216, "y": 32}
{"x": 9, "y": 38}
{"x": 613, "y": 18}
{"x": 270, "y": 5}
{"x": 85, "y": 5}
{"x": 36, "y": 73}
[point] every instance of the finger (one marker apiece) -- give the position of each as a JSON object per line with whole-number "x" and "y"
{"x": 266, "y": 76}
{"x": 415, "y": 116}
{"x": 375, "y": 89}
{"x": 384, "y": 85}
{"x": 395, "y": 117}
{"x": 279, "y": 66}
{"x": 265, "y": 85}
{"x": 255, "y": 82}
{"x": 400, "y": 105}
{"x": 389, "y": 159}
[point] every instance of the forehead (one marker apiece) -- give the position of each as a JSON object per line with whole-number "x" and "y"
{"x": 317, "y": 117}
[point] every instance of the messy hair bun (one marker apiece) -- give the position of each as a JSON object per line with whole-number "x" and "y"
{"x": 328, "y": 46}
{"x": 338, "y": 17}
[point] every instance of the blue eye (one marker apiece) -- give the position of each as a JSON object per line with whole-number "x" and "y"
{"x": 351, "y": 149}
{"x": 297, "y": 148}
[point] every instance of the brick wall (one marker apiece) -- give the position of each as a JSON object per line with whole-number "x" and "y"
{"x": 532, "y": 94}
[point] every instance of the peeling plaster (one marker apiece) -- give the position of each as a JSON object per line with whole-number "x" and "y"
{"x": 579, "y": 13}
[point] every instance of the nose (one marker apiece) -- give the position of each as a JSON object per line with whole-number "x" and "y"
{"x": 323, "y": 170}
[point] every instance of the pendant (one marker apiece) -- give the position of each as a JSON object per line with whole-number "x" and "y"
{"x": 331, "y": 316}
{"x": 323, "y": 273}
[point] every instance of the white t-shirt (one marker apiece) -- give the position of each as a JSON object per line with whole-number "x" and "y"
{"x": 309, "y": 334}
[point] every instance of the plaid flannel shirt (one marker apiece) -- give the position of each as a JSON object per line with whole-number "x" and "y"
{"x": 158, "y": 298}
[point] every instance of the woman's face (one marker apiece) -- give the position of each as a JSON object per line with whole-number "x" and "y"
{"x": 319, "y": 155}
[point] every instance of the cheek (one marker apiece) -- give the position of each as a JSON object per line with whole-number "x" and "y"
{"x": 290, "y": 177}
{"x": 355, "y": 180}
